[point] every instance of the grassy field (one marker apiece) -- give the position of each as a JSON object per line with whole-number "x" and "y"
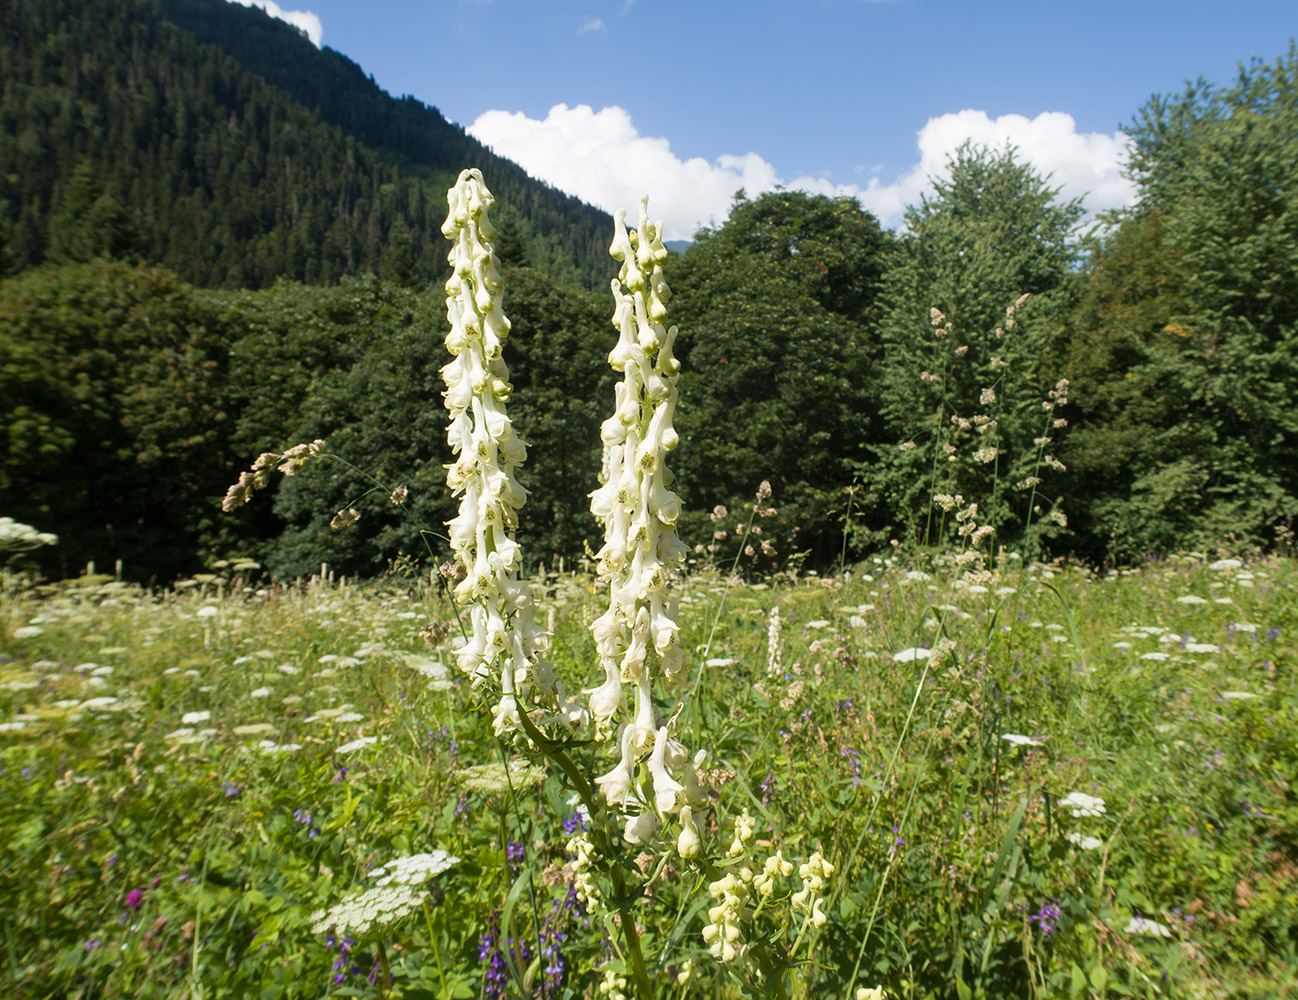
{"x": 1089, "y": 795}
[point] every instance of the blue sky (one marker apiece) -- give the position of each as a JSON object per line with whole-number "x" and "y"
{"x": 686, "y": 102}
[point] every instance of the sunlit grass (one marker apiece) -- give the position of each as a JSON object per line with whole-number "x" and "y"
{"x": 190, "y": 775}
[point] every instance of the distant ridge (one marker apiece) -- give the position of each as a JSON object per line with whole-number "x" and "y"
{"x": 218, "y": 141}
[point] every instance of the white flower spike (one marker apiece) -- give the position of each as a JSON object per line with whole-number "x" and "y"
{"x": 505, "y": 642}
{"x": 637, "y": 637}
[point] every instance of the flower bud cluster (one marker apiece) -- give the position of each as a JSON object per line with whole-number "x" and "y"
{"x": 813, "y": 874}
{"x": 747, "y": 889}
{"x": 505, "y": 641}
{"x": 773, "y": 665}
{"x": 723, "y": 934}
{"x": 613, "y": 986}
{"x": 290, "y": 462}
{"x": 637, "y": 637}
{"x": 582, "y": 864}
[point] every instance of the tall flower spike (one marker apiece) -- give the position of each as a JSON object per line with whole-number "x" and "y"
{"x": 505, "y": 641}
{"x": 637, "y": 637}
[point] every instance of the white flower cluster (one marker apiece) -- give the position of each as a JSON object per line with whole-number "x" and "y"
{"x": 773, "y": 665}
{"x": 641, "y": 550}
{"x": 493, "y": 779}
{"x": 360, "y": 743}
{"x": 414, "y": 869}
{"x": 504, "y": 635}
{"x": 358, "y": 912}
{"x": 1081, "y": 804}
{"x": 18, "y": 537}
{"x": 398, "y": 892}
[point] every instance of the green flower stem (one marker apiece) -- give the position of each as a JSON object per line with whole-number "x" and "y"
{"x": 437, "y": 950}
{"x": 525, "y": 834}
{"x": 385, "y": 974}
{"x": 687, "y": 696}
{"x": 554, "y": 751}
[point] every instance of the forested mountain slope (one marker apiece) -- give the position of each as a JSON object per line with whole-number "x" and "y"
{"x": 122, "y": 132}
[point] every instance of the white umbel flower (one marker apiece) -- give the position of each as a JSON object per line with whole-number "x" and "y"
{"x": 18, "y": 537}
{"x": 505, "y": 642}
{"x": 414, "y": 869}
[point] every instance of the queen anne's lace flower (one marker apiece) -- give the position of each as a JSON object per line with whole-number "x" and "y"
{"x": 505, "y": 641}
{"x": 358, "y": 912}
{"x": 1081, "y": 804}
{"x": 18, "y": 537}
{"x": 414, "y": 869}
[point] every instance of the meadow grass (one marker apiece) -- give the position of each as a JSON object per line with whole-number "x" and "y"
{"x": 191, "y": 775}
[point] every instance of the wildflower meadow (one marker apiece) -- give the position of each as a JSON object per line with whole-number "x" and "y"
{"x": 951, "y": 769}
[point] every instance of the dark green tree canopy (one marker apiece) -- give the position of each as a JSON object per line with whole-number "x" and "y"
{"x": 217, "y": 141}
{"x": 1189, "y": 329}
{"x": 776, "y": 310}
{"x": 113, "y": 409}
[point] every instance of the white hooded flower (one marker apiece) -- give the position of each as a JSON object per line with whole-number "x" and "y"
{"x": 637, "y": 637}
{"x": 504, "y": 643}
{"x": 616, "y": 785}
{"x": 689, "y": 841}
{"x": 668, "y": 792}
{"x": 640, "y": 829}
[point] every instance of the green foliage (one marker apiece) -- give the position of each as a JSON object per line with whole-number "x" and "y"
{"x": 776, "y": 311}
{"x": 114, "y": 428}
{"x": 557, "y": 354}
{"x": 360, "y": 367}
{"x": 90, "y": 224}
{"x": 1189, "y": 330}
{"x": 563, "y": 236}
{"x": 219, "y": 158}
{"x": 148, "y": 851}
{"x": 357, "y": 366}
{"x": 992, "y": 233}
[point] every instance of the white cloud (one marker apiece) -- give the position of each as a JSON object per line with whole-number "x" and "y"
{"x": 307, "y": 20}
{"x": 1083, "y": 165}
{"x": 596, "y": 24}
{"x": 601, "y": 158}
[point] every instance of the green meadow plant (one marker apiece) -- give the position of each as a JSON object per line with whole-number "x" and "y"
{"x": 195, "y": 778}
{"x": 990, "y": 433}
{"x": 654, "y": 778}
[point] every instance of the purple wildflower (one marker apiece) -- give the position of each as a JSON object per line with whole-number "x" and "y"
{"x": 1047, "y": 916}
{"x": 496, "y": 976}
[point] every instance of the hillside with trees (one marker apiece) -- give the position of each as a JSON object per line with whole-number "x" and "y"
{"x": 123, "y": 133}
